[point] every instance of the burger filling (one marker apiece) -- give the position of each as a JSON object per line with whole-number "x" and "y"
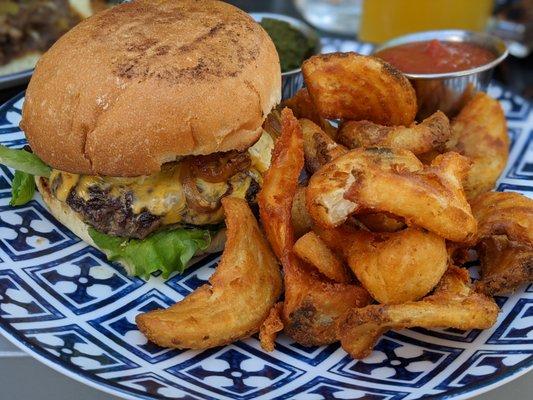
{"x": 148, "y": 223}
{"x": 186, "y": 192}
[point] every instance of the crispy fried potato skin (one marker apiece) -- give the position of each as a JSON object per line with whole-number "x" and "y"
{"x": 311, "y": 249}
{"x": 272, "y": 124}
{"x": 354, "y": 87}
{"x": 397, "y": 267}
{"x": 270, "y": 327}
{"x": 454, "y": 304}
{"x": 238, "y": 298}
{"x": 430, "y": 134}
{"x": 505, "y": 266}
{"x": 381, "y": 222}
{"x": 394, "y": 182}
{"x": 504, "y": 241}
{"x": 301, "y": 221}
{"x": 480, "y": 133}
{"x": 280, "y": 185}
{"x": 319, "y": 148}
{"x": 302, "y": 107}
{"x": 504, "y": 213}
{"x": 311, "y": 306}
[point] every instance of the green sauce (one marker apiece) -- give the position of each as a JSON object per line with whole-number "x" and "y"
{"x": 292, "y": 45}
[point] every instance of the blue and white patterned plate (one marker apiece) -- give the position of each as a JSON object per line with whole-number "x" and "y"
{"x": 61, "y": 302}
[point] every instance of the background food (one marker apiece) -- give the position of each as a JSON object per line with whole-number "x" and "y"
{"x": 29, "y": 28}
{"x": 292, "y": 45}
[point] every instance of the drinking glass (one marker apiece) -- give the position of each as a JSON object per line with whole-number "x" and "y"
{"x": 337, "y": 16}
{"x": 382, "y": 20}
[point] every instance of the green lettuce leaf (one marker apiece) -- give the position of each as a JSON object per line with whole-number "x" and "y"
{"x": 167, "y": 250}
{"x": 22, "y": 160}
{"x": 22, "y": 189}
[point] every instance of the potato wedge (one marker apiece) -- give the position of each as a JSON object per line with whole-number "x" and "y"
{"x": 302, "y": 107}
{"x": 355, "y": 87}
{"x": 504, "y": 241}
{"x": 381, "y": 222}
{"x": 280, "y": 184}
{"x": 238, "y": 298}
{"x": 394, "y": 182}
{"x": 480, "y": 133}
{"x": 430, "y": 134}
{"x": 319, "y": 148}
{"x": 397, "y": 267}
{"x": 311, "y": 249}
{"x": 270, "y": 328}
{"x": 311, "y": 306}
{"x": 301, "y": 221}
{"x": 505, "y": 266}
{"x": 504, "y": 213}
{"x": 453, "y": 305}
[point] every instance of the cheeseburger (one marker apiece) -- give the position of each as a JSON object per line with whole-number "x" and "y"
{"x": 141, "y": 118}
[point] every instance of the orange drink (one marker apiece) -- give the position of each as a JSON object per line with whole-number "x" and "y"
{"x": 385, "y": 19}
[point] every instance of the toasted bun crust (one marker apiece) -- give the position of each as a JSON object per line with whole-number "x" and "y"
{"x": 146, "y": 82}
{"x": 69, "y": 218}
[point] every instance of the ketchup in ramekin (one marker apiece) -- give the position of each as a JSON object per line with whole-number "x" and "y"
{"x": 445, "y": 67}
{"x": 436, "y": 56}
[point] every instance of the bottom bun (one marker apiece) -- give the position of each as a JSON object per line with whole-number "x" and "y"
{"x": 69, "y": 218}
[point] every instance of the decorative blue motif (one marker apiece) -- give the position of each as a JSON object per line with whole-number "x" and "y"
{"x": 20, "y": 303}
{"x": 451, "y": 334}
{"x": 400, "y": 360}
{"x": 28, "y": 232}
{"x": 485, "y": 365}
{"x": 321, "y": 388}
{"x": 5, "y": 181}
{"x": 233, "y": 372}
{"x": 119, "y": 325}
{"x": 62, "y": 301}
{"x": 81, "y": 282}
{"x": 517, "y": 327}
{"x": 74, "y": 346}
{"x": 310, "y": 355}
{"x": 522, "y": 167}
{"x": 149, "y": 382}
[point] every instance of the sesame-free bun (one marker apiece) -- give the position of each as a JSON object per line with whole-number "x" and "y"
{"x": 147, "y": 82}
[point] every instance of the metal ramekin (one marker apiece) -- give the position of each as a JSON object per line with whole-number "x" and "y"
{"x": 292, "y": 81}
{"x": 449, "y": 92}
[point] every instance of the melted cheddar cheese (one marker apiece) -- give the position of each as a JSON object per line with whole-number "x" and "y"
{"x": 162, "y": 194}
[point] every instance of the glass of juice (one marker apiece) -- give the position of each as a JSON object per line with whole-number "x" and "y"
{"x": 385, "y": 19}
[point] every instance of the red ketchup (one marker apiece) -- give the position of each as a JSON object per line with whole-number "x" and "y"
{"x": 436, "y": 57}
